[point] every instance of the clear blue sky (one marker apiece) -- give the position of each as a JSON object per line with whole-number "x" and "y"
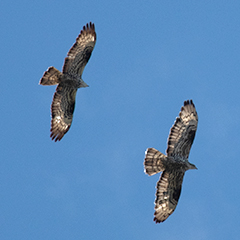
{"x": 150, "y": 56}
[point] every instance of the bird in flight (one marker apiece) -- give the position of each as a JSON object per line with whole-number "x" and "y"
{"x": 174, "y": 164}
{"x": 68, "y": 81}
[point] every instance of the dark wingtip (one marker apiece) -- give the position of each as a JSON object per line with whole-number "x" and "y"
{"x": 91, "y": 25}
{"x": 188, "y": 102}
{"x": 56, "y": 137}
{"x": 157, "y": 221}
{"x": 88, "y": 26}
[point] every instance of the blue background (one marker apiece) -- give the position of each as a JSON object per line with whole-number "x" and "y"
{"x": 150, "y": 56}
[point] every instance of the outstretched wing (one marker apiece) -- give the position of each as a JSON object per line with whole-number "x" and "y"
{"x": 62, "y": 109}
{"x": 168, "y": 192}
{"x": 183, "y": 131}
{"x": 81, "y": 51}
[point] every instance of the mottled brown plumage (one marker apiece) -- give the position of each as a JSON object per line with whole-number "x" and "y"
{"x": 69, "y": 80}
{"x": 173, "y": 165}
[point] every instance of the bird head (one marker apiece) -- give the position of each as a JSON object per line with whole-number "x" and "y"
{"x": 82, "y": 84}
{"x": 192, "y": 166}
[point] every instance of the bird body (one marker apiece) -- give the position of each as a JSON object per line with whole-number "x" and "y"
{"x": 68, "y": 81}
{"x": 174, "y": 164}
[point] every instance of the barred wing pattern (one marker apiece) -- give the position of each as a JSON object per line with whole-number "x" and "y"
{"x": 183, "y": 131}
{"x": 62, "y": 109}
{"x": 167, "y": 195}
{"x": 81, "y": 51}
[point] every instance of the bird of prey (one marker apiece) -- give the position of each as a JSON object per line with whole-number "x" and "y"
{"x": 68, "y": 81}
{"x": 174, "y": 164}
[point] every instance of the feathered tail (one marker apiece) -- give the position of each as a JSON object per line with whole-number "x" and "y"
{"x": 51, "y": 77}
{"x": 154, "y": 161}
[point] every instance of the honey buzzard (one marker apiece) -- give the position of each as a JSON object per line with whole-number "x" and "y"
{"x": 68, "y": 81}
{"x": 173, "y": 165}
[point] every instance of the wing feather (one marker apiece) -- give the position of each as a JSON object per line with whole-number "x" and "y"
{"x": 183, "y": 131}
{"x": 62, "y": 109}
{"x": 168, "y": 192}
{"x": 81, "y": 51}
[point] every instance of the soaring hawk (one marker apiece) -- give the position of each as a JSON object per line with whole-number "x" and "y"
{"x": 68, "y": 81}
{"x": 173, "y": 165}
